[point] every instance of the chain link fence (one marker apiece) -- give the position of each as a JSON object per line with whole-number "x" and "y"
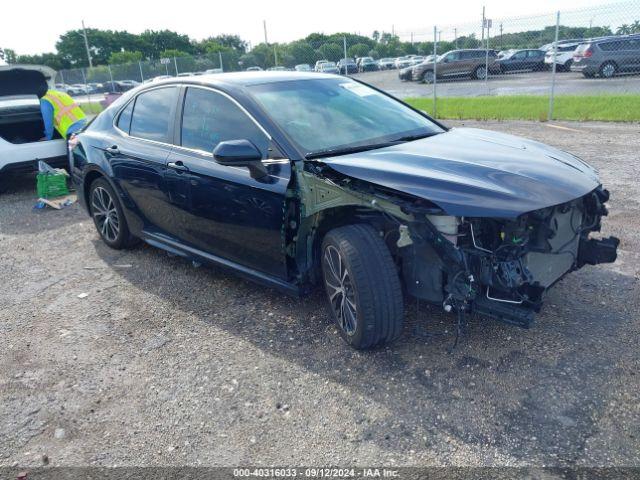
{"x": 546, "y": 59}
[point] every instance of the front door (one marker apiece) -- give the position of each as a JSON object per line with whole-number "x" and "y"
{"x": 228, "y": 213}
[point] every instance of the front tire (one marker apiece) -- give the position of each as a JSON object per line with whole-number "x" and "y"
{"x": 480, "y": 73}
{"x": 362, "y": 286}
{"x": 428, "y": 76}
{"x": 108, "y": 216}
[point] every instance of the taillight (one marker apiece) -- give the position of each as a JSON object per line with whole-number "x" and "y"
{"x": 587, "y": 53}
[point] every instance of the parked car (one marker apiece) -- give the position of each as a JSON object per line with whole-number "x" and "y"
{"x": 21, "y": 124}
{"x": 318, "y": 63}
{"x": 563, "y": 56}
{"x": 387, "y": 63}
{"x": 566, "y": 41}
{"x": 186, "y": 74}
{"x": 403, "y": 62}
{"x": 367, "y": 64}
{"x": 608, "y": 57}
{"x": 522, "y": 61}
{"x": 348, "y": 189}
{"x": 417, "y": 60}
{"x": 347, "y": 66}
{"x": 461, "y": 63}
{"x": 303, "y": 67}
{"x": 128, "y": 84}
{"x": 254, "y": 69}
{"x": 277, "y": 68}
{"x": 213, "y": 71}
{"x": 328, "y": 67}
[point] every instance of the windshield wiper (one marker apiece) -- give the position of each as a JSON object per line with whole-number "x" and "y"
{"x": 330, "y": 152}
{"x": 417, "y": 136}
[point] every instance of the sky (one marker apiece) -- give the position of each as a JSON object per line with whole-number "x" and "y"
{"x": 31, "y": 27}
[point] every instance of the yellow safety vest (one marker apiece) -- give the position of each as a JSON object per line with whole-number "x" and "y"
{"x": 66, "y": 111}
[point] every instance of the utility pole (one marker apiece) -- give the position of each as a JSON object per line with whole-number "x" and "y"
{"x": 455, "y": 37}
{"x": 500, "y": 35}
{"x": 412, "y": 38}
{"x": 264, "y": 25}
{"x": 483, "y": 22}
{"x": 86, "y": 44}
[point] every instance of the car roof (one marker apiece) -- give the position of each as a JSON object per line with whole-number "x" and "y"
{"x": 243, "y": 79}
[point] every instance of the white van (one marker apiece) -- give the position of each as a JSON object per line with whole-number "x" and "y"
{"x": 21, "y": 125}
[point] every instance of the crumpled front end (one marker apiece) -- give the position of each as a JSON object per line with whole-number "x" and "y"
{"x": 501, "y": 267}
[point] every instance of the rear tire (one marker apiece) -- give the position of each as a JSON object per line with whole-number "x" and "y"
{"x": 362, "y": 286}
{"x": 567, "y": 65}
{"x": 608, "y": 70}
{"x": 108, "y": 216}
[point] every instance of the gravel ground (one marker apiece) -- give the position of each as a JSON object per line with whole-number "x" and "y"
{"x": 165, "y": 364}
{"x": 531, "y": 83}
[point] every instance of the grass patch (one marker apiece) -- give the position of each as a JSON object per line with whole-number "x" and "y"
{"x": 612, "y": 108}
{"x": 91, "y": 108}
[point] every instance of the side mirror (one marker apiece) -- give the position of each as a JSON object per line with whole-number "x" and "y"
{"x": 240, "y": 153}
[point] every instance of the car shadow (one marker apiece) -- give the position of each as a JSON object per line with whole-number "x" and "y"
{"x": 534, "y": 394}
{"x": 17, "y": 200}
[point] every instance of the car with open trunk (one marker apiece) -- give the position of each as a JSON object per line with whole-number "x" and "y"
{"x": 21, "y": 123}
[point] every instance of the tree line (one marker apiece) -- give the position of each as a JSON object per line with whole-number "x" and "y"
{"x": 110, "y": 47}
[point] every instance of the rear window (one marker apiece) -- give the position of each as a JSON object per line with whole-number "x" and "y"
{"x": 152, "y": 114}
{"x": 582, "y": 48}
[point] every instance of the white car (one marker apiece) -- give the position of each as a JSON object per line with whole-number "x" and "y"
{"x": 564, "y": 56}
{"x": 21, "y": 126}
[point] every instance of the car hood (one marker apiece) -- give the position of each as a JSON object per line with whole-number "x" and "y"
{"x": 473, "y": 172}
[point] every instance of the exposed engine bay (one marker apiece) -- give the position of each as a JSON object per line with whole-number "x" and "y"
{"x": 497, "y": 267}
{"x": 501, "y": 268}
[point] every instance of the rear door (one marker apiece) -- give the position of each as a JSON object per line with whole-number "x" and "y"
{"x": 139, "y": 154}
{"x": 228, "y": 213}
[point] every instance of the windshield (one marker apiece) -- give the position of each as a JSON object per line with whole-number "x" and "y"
{"x": 330, "y": 115}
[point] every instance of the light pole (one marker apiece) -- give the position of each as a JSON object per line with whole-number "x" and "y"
{"x": 86, "y": 44}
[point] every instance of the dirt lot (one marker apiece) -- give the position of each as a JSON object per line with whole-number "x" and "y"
{"x": 166, "y": 364}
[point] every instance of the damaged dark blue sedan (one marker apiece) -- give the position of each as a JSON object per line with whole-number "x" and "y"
{"x": 298, "y": 180}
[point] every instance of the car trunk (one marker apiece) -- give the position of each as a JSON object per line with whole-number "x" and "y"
{"x": 20, "y": 117}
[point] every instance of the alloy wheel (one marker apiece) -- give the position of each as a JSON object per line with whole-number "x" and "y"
{"x": 105, "y": 214}
{"x": 340, "y": 290}
{"x": 608, "y": 70}
{"x": 429, "y": 77}
{"x": 481, "y": 73}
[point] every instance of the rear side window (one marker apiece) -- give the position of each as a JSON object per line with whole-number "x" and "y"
{"x": 152, "y": 114}
{"x": 536, "y": 54}
{"x": 124, "y": 120}
{"x": 209, "y": 118}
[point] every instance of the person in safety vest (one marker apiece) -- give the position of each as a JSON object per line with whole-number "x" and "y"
{"x": 60, "y": 112}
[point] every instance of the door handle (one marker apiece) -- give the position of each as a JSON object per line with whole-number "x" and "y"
{"x": 178, "y": 165}
{"x": 113, "y": 149}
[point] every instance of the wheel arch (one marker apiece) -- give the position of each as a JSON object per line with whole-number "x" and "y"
{"x": 321, "y": 223}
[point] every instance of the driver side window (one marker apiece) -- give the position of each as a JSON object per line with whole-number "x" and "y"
{"x": 209, "y": 118}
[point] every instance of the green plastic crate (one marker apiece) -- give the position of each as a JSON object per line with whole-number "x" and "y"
{"x": 51, "y": 185}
